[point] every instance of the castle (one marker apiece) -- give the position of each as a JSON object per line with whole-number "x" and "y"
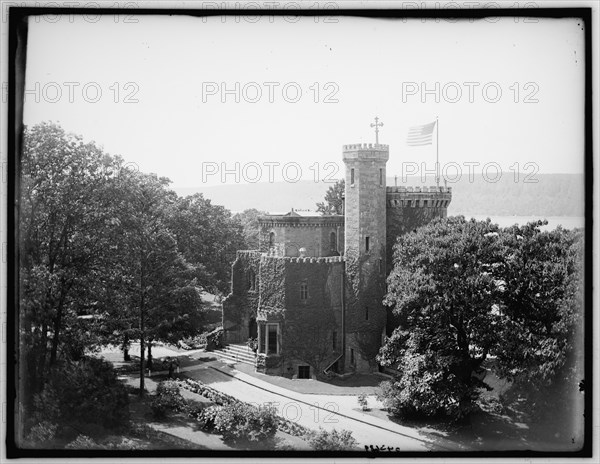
{"x": 312, "y": 293}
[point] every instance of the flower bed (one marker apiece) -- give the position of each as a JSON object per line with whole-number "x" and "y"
{"x": 222, "y": 399}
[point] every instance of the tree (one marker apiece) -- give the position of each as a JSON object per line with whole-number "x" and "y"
{"x": 66, "y": 226}
{"x": 208, "y": 238}
{"x": 249, "y": 221}
{"x": 543, "y": 333}
{"x": 334, "y": 199}
{"x": 464, "y": 290}
{"x": 163, "y": 292}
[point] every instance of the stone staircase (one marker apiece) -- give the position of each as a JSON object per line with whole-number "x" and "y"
{"x": 239, "y": 353}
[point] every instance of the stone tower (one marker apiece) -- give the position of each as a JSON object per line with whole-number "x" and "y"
{"x": 365, "y": 253}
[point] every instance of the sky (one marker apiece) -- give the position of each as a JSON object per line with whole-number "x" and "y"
{"x": 161, "y": 92}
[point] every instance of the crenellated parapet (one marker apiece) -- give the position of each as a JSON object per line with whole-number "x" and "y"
{"x": 248, "y": 254}
{"x": 366, "y": 146}
{"x": 366, "y": 151}
{"x": 298, "y": 221}
{"x": 418, "y": 197}
{"x": 432, "y": 189}
{"x": 305, "y": 260}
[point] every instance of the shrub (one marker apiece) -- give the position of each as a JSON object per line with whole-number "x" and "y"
{"x": 166, "y": 398}
{"x": 214, "y": 339}
{"x": 194, "y": 408}
{"x": 207, "y": 417}
{"x": 332, "y": 441}
{"x": 85, "y": 393}
{"x": 246, "y": 422}
{"x": 363, "y": 401}
{"x": 42, "y": 433}
{"x": 84, "y": 442}
{"x": 193, "y": 343}
{"x": 252, "y": 343}
{"x": 418, "y": 392}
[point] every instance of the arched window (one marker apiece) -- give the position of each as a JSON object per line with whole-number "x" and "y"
{"x": 332, "y": 242}
{"x": 271, "y": 239}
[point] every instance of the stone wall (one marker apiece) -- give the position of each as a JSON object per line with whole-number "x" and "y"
{"x": 295, "y": 232}
{"x": 410, "y": 208}
{"x": 241, "y": 305}
{"x": 306, "y": 325}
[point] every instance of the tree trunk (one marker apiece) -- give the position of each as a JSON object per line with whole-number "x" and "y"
{"x": 142, "y": 346}
{"x": 44, "y": 349}
{"x": 58, "y": 320}
{"x": 55, "y": 336}
{"x": 149, "y": 362}
{"x": 126, "y": 356}
{"x": 142, "y": 352}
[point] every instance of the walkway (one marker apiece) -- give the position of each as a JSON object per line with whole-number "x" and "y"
{"x": 313, "y": 411}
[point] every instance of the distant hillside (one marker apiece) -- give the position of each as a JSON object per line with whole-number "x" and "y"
{"x": 552, "y": 195}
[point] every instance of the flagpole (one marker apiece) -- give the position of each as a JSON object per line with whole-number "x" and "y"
{"x": 437, "y": 151}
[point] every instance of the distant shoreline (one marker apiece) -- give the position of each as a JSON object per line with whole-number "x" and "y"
{"x": 567, "y": 222}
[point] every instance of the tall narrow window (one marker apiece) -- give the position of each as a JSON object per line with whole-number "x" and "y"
{"x": 380, "y": 177}
{"x": 332, "y": 242}
{"x": 366, "y": 313}
{"x": 366, "y": 243}
{"x": 352, "y": 356}
{"x": 251, "y": 280}
{"x": 262, "y": 345}
{"x": 352, "y": 176}
{"x": 272, "y": 338}
{"x": 271, "y": 239}
{"x": 304, "y": 291}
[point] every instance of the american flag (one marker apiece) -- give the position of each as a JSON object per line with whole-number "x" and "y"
{"x": 420, "y": 135}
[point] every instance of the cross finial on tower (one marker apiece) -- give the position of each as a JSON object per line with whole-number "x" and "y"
{"x": 377, "y": 125}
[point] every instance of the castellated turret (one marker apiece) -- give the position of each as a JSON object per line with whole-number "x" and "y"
{"x": 311, "y": 295}
{"x": 411, "y": 207}
{"x": 365, "y": 253}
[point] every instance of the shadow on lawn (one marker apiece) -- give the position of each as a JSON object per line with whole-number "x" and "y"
{"x": 482, "y": 431}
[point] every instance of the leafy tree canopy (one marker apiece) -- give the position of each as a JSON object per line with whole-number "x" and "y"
{"x": 334, "y": 199}
{"x": 464, "y": 291}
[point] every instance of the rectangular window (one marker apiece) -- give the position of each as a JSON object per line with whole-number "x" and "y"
{"x": 366, "y": 243}
{"x": 352, "y": 176}
{"x": 380, "y": 177}
{"x": 304, "y": 372}
{"x": 351, "y": 356}
{"x": 272, "y": 338}
{"x": 263, "y": 339}
{"x": 334, "y": 340}
{"x": 304, "y": 291}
